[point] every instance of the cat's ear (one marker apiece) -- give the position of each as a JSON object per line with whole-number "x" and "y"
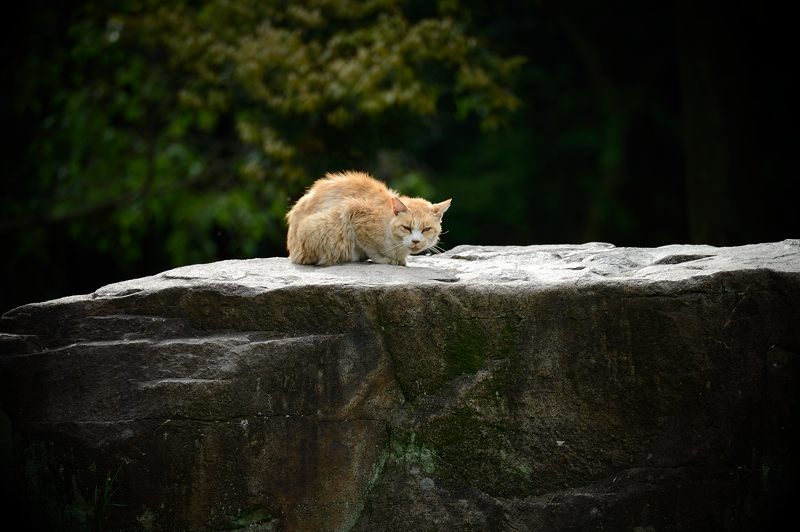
{"x": 440, "y": 208}
{"x": 398, "y": 206}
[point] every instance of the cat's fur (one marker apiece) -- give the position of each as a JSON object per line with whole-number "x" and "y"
{"x": 350, "y": 217}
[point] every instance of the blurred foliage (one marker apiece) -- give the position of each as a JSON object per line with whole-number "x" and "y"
{"x": 197, "y": 121}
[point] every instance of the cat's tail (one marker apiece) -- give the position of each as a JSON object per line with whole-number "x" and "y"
{"x": 291, "y": 235}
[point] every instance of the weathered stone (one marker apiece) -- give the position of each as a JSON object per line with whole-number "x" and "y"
{"x": 486, "y": 388}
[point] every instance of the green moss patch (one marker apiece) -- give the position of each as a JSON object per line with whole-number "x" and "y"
{"x": 488, "y": 455}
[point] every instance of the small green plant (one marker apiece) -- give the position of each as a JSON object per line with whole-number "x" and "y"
{"x": 102, "y": 497}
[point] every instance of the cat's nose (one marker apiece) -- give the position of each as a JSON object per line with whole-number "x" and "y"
{"x": 415, "y": 242}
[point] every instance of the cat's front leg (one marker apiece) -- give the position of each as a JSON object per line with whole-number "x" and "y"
{"x": 382, "y": 259}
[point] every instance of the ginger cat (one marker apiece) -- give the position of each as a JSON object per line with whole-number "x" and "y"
{"x": 350, "y": 217}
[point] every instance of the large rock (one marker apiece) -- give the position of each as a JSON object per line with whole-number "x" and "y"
{"x": 487, "y": 388}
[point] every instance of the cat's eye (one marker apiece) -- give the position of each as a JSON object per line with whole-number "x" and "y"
{"x": 426, "y": 229}
{"x": 407, "y": 228}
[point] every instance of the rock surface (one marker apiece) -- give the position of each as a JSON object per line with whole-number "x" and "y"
{"x": 575, "y": 387}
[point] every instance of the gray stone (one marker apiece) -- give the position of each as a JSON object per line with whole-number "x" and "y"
{"x": 486, "y": 388}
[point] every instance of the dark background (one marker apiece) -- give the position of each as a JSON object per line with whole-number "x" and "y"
{"x": 635, "y": 123}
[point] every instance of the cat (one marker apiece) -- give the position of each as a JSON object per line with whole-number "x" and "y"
{"x": 351, "y": 217}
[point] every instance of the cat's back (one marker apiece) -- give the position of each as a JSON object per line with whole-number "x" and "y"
{"x": 349, "y": 185}
{"x": 333, "y": 189}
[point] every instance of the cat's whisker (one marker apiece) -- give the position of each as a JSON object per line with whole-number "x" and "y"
{"x": 437, "y": 248}
{"x": 433, "y": 250}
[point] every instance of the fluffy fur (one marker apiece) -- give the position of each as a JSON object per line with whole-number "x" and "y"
{"x": 350, "y": 217}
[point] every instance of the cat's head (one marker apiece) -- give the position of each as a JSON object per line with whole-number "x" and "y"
{"x": 417, "y": 223}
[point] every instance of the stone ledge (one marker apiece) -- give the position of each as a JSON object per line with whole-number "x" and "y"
{"x": 532, "y": 387}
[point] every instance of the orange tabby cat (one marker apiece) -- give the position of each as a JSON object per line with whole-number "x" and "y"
{"x": 350, "y": 216}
